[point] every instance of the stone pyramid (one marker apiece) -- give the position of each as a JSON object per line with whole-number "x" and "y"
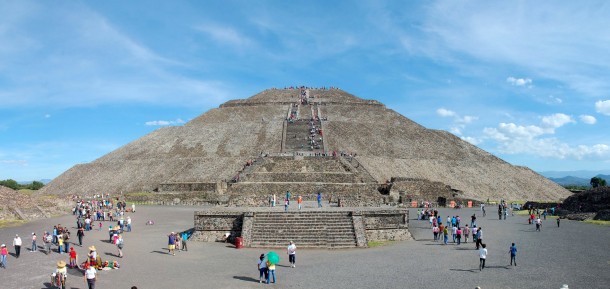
{"x": 309, "y": 140}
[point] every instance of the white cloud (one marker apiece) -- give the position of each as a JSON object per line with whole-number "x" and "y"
{"x": 556, "y": 120}
{"x": 164, "y": 122}
{"x": 459, "y": 122}
{"x": 603, "y": 107}
{"x": 534, "y": 140}
{"x": 588, "y": 119}
{"x": 445, "y": 112}
{"x": 518, "y": 81}
{"x": 472, "y": 140}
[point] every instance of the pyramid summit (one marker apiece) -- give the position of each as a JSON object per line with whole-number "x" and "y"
{"x": 305, "y": 140}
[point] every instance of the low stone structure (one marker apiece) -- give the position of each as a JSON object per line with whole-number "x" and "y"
{"x": 330, "y": 228}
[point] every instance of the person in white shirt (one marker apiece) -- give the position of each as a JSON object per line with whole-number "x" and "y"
{"x": 482, "y": 256}
{"x": 292, "y": 254}
{"x": 90, "y": 276}
{"x": 17, "y": 245}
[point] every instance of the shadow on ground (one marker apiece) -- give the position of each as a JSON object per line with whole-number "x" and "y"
{"x": 244, "y": 278}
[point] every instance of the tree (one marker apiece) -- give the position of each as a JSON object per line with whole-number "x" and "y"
{"x": 36, "y": 185}
{"x": 10, "y": 184}
{"x": 598, "y": 182}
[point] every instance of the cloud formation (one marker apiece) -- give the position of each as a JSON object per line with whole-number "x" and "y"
{"x": 518, "y": 81}
{"x": 164, "y": 122}
{"x": 588, "y": 119}
{"x": 556, "y": 120}
{"x": 535, "y": 140}
{"x": 459, "y": 122}
{"x": 603, "y": 107}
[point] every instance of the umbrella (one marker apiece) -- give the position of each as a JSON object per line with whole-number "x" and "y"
{"x": 273, "y": 257}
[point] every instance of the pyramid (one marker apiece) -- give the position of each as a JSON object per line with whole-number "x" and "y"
{"x": 306, "y": 140}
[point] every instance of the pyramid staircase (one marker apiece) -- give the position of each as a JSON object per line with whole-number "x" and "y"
{"x": 311, "y": 229}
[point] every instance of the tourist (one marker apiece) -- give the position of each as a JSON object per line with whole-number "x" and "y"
{"x": 473, "y": 221}
{"x": 459, "y": 235}
{"x": 454, "y": 232}
{"x": 60, "y": 274}
{"x": 513, "y": 254}
{"x": 171, "y": 243}
{"x": 466, "y": 233}
{"x": 90, "y": 276}
{"x": 300, "y": 201}
{"x": 262, "y": 269}
{"x": 48, "y": 240}
{"x": 271, "y": 270}
{"x": 482, "y": 256}
{"x": 80, "y": 233}
{"x": 133, "y": 207}
{"x": 319, "y": 200}
{"x": 435, "y": 232}
{"x": 274, "y": 199}
{"x": 449, "y": 221}
{"x": 286, "y": 203}
{"x": 185, "y": 237}
{"x": 34, "y": 247}
{"x": 292, "y": 254}
{"x": 66, "y": 237}
{"x": 73, "y": 258}
{"x": 178, "y": 243}
{"x": 538, "y": 224}
{"x": 558, "y": 222}
{"x": 17, "y": 245}
{"x": 479, "y": 237}
{"x": 128, "y": 224}
{"x": 445, "y": 235}
{"x": 54, "y": 234}
{"x": 288, "y": 197}
{"x": 3, "y": 253}
{"x": 92, "y": 255}
{"x": 119, "y": 245}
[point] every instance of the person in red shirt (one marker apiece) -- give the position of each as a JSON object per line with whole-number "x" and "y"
{"x": 73, "y": 258}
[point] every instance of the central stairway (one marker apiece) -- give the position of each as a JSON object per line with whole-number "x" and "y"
{"x": 310, "y": 229}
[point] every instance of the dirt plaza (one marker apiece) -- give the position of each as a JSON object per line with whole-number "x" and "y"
{"x": 576, "y": 254}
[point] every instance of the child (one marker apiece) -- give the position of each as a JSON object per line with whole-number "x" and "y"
{"x": 73, "y": 258}
{"x": 513, "y": 254}
{"x": 262, "y": 269}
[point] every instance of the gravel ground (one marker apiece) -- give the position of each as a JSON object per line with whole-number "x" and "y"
{"x": 576, "y": 254}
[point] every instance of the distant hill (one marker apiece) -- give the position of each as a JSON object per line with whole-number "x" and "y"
{"x": 579, "y": 174}
{"x": 44, "y": 181}
{"x": 578, "y": 181}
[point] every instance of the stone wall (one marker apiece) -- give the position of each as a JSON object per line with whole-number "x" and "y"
{"x": 187, "y": 187}
{"x": 414, "y": 189}
{"x": 301, "y": 188}
{"x": 212, "y": 225}
{"x": 369, "y": 224}
{"x": 386, "y": 225}
{"x": 300, "y": 177}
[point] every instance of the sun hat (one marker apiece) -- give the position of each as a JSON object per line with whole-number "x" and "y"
{"x": 61, "y": 264}
{"x": 3, "y": 245}
{"x": 92, "y": 248}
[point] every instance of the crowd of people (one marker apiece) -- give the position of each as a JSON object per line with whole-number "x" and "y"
{"x": 453, "y": 228}
{"x": 100, "y": 209}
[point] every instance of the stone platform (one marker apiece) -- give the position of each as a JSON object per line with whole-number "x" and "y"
{"x": 309, "y": 227}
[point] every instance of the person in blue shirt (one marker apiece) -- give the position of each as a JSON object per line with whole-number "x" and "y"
{"x": 319, "y": 200}
{"x": 185, "y": 236}
{"x": 513, "y": 254}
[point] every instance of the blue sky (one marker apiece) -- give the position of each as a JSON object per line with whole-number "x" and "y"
{"x": 526, "y": 81}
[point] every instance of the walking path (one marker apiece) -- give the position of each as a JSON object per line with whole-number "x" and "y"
{"x": 576, "y": 254}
